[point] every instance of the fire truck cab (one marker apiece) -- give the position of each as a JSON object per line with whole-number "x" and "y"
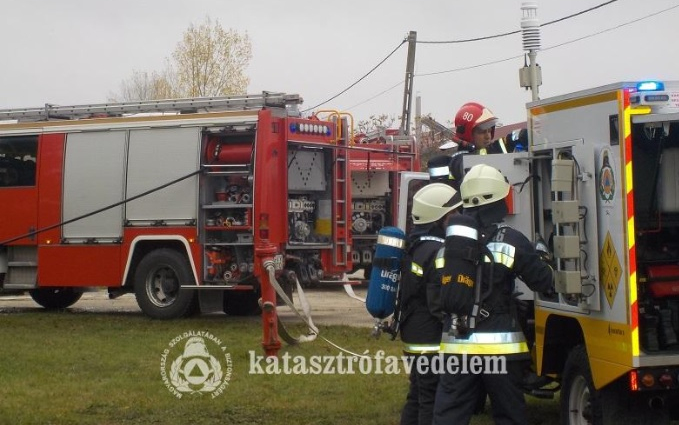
{"x": 179, "y": 201}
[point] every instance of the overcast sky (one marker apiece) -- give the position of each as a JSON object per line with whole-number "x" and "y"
{"x": 79, "y": 51}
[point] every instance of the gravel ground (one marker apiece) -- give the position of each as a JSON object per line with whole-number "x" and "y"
{"x": 329, "y": 306}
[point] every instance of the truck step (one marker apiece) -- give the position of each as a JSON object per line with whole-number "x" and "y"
{"x": 20, "y": 286}
{"x": 22, "y": 264}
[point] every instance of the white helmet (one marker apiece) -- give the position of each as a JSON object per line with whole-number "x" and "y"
{"x": 483, "y": 185}
{"x": 434, "y": 201}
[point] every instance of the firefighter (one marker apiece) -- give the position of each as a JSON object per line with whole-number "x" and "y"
{"x": 421, "y": 318}
{"x": 497, "y": 334}
{"x": 474, "y": 131}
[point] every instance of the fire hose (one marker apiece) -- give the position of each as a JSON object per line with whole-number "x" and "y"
{"x": 305, "y": 315}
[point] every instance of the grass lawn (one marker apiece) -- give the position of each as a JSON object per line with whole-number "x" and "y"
{"x": 101, "y": 368}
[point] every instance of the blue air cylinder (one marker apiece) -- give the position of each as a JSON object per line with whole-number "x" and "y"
{"x": 386, "y": 271}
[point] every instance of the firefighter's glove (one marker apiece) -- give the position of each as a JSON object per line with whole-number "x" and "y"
{"x": 542, "y": 250}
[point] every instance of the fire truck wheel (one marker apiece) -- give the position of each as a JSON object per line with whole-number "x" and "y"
{"x": 157, "y": 283}
{"x": 241, "y": 303}
{"x": 55, "y": 298}
{"x": 580, "y": 402}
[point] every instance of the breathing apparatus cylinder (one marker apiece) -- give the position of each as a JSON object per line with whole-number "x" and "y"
{"x": 386, "y": 269}
{"x": 461, "y": 256}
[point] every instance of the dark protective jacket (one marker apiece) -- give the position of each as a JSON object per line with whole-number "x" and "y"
{"x": 500, "y": 333}
{"x": 421, "y": 316}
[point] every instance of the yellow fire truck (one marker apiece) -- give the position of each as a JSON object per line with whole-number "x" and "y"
{"x": 600, "y": 183}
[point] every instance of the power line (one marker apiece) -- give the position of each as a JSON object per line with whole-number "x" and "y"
{"x": 447, "y": 42}
{"x": 465, "y": 68}
{"x": 504, "y": 34}
{"x": 491, "y": 62}
{"x": 550, "y": 47}
{"x": 374, "y": 97}
{"x": 612, "y": 28}
{"x": 360, "y": 79}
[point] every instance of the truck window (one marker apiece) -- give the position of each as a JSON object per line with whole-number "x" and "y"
{"x": 18, "y": 156}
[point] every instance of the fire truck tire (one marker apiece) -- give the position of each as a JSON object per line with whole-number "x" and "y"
{"x": 157, "y": 283}
{"x": 55, "y": 298}
{"x": 581, "y": 403}
{"x": 241, "y": 303}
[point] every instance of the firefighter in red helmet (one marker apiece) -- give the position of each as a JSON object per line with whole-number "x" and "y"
{"x": 475, "y": 130}
{"x": 475, "y": 125}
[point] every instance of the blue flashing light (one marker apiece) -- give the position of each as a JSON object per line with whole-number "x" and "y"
{"x": 650, "y": 86}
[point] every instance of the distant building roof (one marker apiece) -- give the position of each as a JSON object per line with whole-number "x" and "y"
{"x": 506, "y": 129}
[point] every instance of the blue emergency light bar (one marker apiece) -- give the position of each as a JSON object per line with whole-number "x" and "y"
{"x": 650, "y": 86}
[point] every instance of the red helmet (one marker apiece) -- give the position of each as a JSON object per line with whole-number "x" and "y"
{"x": 470, "y": 116}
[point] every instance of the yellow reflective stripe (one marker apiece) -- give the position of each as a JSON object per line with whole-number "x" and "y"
{"x": 463, "y": 231}
{"x": 503, "y": 253}
{"x": 465, "y": 348}
{"x": 391, "y": 241}
{"x": 422, "y": 348}
{"x": 439, "y": 171}
{"x": 440, "y": 260}
{"x": 416, "y": 269}
{"x": 502, "y": 145}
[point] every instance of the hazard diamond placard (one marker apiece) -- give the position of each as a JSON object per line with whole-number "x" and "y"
{"x": 610, "y": 269}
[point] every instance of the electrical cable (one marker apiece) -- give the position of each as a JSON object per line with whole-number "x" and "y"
{"x": 376, "y": 96}
{"x": 108, "y": 207}
{"x": 359, "y": 80}
{"x": 489, "y": 37}
{"x": 550, "y": 47}
{"x": 491, "y": 62}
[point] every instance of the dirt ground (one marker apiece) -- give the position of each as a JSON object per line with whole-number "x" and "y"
{"x": 329, "y": 306}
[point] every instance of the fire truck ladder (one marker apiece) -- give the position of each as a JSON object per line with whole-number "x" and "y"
{"x": 340, "y": 195}
{"x": 183, "y": 106}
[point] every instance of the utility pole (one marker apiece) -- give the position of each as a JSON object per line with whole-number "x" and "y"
{"x": 530, "y": 76}
{"x": 408, "y": 89}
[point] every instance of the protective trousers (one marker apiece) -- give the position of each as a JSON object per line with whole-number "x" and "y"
{"x": 419, "y": 407}
{"x": 458, "y": 393}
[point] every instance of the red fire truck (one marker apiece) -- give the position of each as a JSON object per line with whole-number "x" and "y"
{"x": 188, "y": 203}
{"x": 377, "y": 164}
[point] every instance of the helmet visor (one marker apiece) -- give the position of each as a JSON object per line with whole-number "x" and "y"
{"x": 487, "y": 124}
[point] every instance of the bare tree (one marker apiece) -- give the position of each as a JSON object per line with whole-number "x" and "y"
{"x": 144, "y": 86}
{"x": 375, "y": 122}
{"x": 208, "y": 61}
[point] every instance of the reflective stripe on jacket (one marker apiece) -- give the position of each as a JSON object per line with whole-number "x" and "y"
{"x": 485, "y": 343}
{"x": 421, "y": 348}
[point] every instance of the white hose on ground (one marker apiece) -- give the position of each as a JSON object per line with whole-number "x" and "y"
{"x": 306, "y": 317}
